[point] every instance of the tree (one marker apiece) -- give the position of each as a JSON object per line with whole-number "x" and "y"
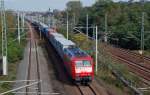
{"x": 74, "y": 8}
{"x": 124, "y": 21}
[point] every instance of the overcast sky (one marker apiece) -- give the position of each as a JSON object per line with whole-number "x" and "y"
{"x": 42, "y": 5}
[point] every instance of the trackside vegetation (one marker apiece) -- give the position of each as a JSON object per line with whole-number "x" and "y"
{"x": 14, "y": 49}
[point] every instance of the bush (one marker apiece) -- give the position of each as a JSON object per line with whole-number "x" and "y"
{"x": 15, "y": 52}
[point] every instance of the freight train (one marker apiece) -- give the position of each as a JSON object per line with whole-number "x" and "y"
{"x": 79, "y": 64}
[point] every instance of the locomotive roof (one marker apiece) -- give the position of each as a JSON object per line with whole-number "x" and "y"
{"x": 64, "y": 41}
{"x": 43, "y": 25}
{"x": 75, "y": 51}
{"x": 57, "y": 35}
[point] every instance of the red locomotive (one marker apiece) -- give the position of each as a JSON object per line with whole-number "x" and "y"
{"x": 79, "y": 64}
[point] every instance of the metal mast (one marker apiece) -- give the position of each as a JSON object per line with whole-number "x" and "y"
{"x": 106, "y": 30}
{"x": 18, "y": 28}
{"x": 49, "y": 18}
{"x": 142, "y": 33}
{"x": 67, "y": 25}
{"x": 23, "y": 24}
{"x": 74, "y": 19}
{"x": 96, "y": 65}
{"x": 142, "y": 28}
{"x": 4, "y": 38}
{"x": 87, "y": 25}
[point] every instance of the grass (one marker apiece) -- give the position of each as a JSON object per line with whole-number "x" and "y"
{"x": 11, "y": 76}
{"x": 147, "y": 53}
{"x": 15, "y": 54}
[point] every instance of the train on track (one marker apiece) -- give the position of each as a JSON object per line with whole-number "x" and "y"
{"x": 79, "y": 64}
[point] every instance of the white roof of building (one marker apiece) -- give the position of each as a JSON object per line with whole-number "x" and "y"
{"x": 64, "y": 41}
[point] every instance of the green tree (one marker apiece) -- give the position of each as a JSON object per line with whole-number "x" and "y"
{"x": 74, "y": 9}
{"x": 124, "y": 21}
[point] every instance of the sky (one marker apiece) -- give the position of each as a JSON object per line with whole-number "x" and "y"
{"x": 42, "y": 5}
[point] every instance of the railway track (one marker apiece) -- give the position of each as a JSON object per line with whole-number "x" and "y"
{"x": 144, "y": 61}
{"x": 33, "y": 67}
{"x": 86, "y": 90}
{"x": 133, "y": 61}
{"x": 38, "y": 68}
{"x": 136, "y": 68}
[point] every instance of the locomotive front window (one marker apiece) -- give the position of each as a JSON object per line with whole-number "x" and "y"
{"x": 86, "y": 63}
{"x": 82, "y": 63}
{"x": 79, "y": 64}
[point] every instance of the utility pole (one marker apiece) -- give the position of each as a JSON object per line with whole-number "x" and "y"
{"x": 43, "y": 19}
{"x": 142, "y": 28}
{"x": 49, "y": 18}
{"x": 23, "y": 22}
{"x": 87, "y": 25}
{"x": 49, "y": 21}
{"x": 105, "y": 34}
{"x": 93, "y": 35}
{"x": 40, "y": 34}
{"x": 18, "y": 28}
{"x": 142, "y": 33}
{"x": 39, "y": 20}
{"x": 67, "y": 25}
{"x": 4, "y": 38}
{"x": 74, "y": 19}
{"x": 96, "y": 66}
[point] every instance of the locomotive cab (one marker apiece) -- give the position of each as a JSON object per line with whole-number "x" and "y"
{"x": 83, "y": 71}
{"x": 80, "y": 65}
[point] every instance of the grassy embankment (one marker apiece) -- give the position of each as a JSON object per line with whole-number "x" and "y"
{"x": 15, "y": 52}
{"x": 105, "y": 65}
{"x": 147, "y": 53}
